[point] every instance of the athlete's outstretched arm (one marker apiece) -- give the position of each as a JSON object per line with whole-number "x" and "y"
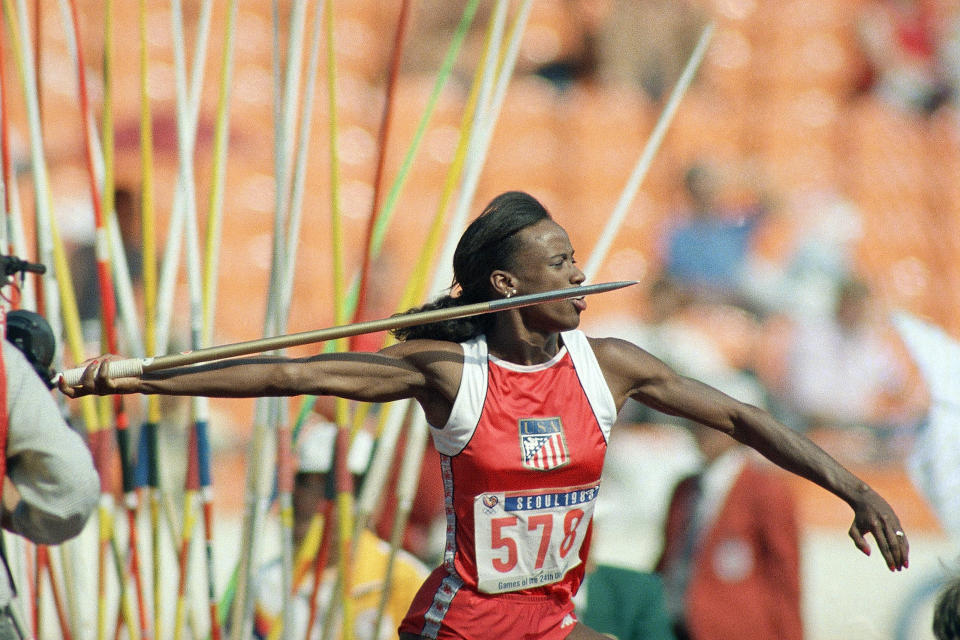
{"x": 402, "y": 371}
{"x": 632, "y": 372}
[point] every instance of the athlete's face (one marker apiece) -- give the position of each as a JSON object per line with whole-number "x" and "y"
{"x": 545, "y": 261}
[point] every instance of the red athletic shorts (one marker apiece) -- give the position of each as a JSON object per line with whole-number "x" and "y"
{"x": 446, "y": 609}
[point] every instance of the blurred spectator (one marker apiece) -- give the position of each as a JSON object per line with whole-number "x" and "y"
{"x": 708, "y": 248}
{"x": 639, "y": 43}
{"x": 647, "y": 43}
{"x": 644, "y": 462}
{"x": 668, "y": 329}
{"x": 626, "y": 604}
{"x": 900, "y": 40}
{"x": 576, "y": 62}
{"x": 731, "y": 559}
{"x": 699, "y": 337}
{"x": 801, "y": 254}
{"x": 425, "y": 534}
{"x": 51, "y": 486}
{"x": 315, "y": 460}
{"x": 842, "y": 370}
{"x": 949, "y": 51}
{"x": 557, "y": 45}
{"x": 696, "y": 336}
{"x": 621, "y": 594}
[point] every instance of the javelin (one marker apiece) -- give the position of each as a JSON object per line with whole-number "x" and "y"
{"x": 134, "y": 367}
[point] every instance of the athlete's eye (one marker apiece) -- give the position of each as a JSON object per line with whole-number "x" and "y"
{"x": 562, "y": 260}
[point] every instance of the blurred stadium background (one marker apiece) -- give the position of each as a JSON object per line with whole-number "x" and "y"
{"x": 852, "y": 158}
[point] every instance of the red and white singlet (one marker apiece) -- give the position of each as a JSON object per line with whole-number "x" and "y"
{"x": 521, "y": 458}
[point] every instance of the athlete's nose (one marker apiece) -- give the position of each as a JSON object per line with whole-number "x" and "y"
{"x": 578, "y": 276}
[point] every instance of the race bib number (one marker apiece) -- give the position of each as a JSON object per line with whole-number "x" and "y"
{"x": 530, "y": 539}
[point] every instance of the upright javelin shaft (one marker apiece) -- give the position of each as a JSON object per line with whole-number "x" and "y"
{"x": 612, "y": 227}
{"x": 138, "y": 366}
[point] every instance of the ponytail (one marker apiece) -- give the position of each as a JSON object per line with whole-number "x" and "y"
{"x": 456, "y": 330}
{"x": 488, "y": 244}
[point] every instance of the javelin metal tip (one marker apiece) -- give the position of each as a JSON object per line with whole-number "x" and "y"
{"x": 607, "y": 286}
{"x": 615, "y": 285}
{"x": 556, "y": 294}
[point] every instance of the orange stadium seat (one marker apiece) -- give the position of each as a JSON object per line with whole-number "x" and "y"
{"x": 603, "y": 135}
{"x": 411, "y": 98}
{"x": 727, "y": 68}
{"x": 362, "y": 48}
{"x": 818, "y": 61}
{"x": 553, "y": 32}
{"x": 524, "y": 150}
{"x": 806, "y": 118}
{"x": 796, "y": 19}
{"x": 707, "y": 125}
{"x": 873, "y": 124}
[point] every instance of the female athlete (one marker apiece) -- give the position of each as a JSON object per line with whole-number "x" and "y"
{"x": 521, "y": 403}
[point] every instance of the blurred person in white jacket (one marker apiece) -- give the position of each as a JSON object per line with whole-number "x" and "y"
{"x": 51, "y": 486}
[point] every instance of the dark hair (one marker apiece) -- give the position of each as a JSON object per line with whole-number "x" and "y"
{"x": 946, "y": 612}
{"x": 488, "y": 244}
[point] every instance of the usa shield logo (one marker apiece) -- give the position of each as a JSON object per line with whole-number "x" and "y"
{"x": 543, "y": 444}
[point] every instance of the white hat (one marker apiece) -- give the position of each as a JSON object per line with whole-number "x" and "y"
{"x": 316, "y": 444}
{"x": 360, "y": 451}
{"x": 315, "y": 447}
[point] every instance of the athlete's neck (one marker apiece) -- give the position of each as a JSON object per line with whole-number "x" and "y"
{"x": 527, "y": 348}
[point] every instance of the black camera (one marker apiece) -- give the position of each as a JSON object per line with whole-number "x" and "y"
{"x": 12, "y": 265}
{"x": 29, "y": 331}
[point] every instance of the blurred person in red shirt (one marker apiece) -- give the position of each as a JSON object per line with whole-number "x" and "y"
{"x": 731, "y": 559}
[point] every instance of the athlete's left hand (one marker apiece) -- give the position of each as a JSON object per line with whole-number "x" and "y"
{"x": 873, "y": 515}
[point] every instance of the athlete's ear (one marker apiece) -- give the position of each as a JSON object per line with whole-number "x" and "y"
{"x": 503, "y": 282}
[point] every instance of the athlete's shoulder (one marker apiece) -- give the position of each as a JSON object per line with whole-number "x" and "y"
{"x": 622, "y": 358}
{"x": 609, "y": 347}
{"x": 440, "y": 362}
{"x": 420, "y": 347}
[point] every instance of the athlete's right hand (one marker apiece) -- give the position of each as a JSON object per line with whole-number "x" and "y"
{"x": 95, "y": 380}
